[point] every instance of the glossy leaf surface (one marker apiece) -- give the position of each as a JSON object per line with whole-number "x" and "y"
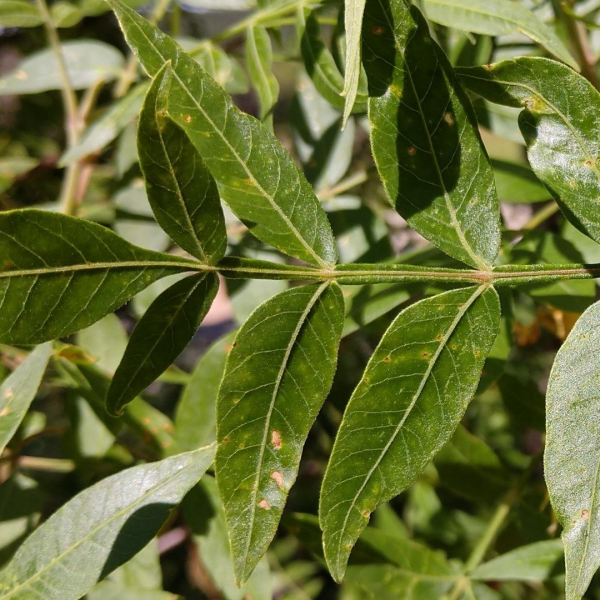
{"x": 54, "y": 562}
{"x": 161, "y": 336}
{"x": 181, "y": 190}
{"x": 571, "y": 459}
{"x": 59, "y": 274}
{"x": 18, "y": 391}
{"x": 497, "y": 17}
{"x": 256, "y": 177}
{"x": 424, "y": 137}
{"x": 409, "y": 402}
{"x": 560, "y": 125}
{"x": 276, "y": 378}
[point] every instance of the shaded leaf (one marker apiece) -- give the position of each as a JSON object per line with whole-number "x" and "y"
{"x": 161, "y": 336}
{"x": 18, "y": 391}
{"x": 59, "y": 274}
{"x": 517, "y": 183}
{"x": 571, "y": 461}
{"x": 256, "y": 177}
{"x": 87, "y": 63}
{"x": 559, "y": 125}
{"x": 259, "y": 56}
{"x": 535, "y": 562}
{"x": 65, "y": 14}
{"x": 12, "y": 167}
{"x": 181, "y": 191}
{"x": 276, "y": 378}
{"x": 54, "y": 563}
{"x": 409, "y": 402}
{"x": 425, "y": 139}
{"x": 353, "y": 18}
{"x": 497, "y": 17}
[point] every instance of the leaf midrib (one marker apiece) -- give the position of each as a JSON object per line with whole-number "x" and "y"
{"x": 250, "y": 174}
{"x": 100, "y": 526}
{"x": 278, "y": 380}
{"x": 460, "y": 314}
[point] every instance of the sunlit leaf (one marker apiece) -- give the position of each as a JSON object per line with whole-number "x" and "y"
{"x": 353, "y": 17}
{"x": 19, "y": 13}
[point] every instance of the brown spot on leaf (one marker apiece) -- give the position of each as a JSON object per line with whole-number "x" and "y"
{"x": 585, "y": 514}
{"x": 425, "y": 355}
{"x": 226, "y": 440}
{"x": 264, "y": 504}
{"x": 9, "y": 393}
{"x": 5, "y": 411}
{"x": 387, "y": 359}
{"x": 378, "y": 30}
{"x": 276, "y": 439}
{"x": 412, "y": 150}
{"x": 187, "y": 118}
{"x": 449, "y": 118}
{"x": 278, "y": 478}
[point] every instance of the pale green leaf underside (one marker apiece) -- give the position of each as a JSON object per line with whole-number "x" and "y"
{"x": 19, "y": 13}
{"x": 19, "y": 389}
{"x": 353, "y": 17}
{"x": 408, "y": 404}
{"x": 497, "y": 17}
{"x": 54, "y": 562}
{"x": 256, "y": 176}
{"x": 181, "y": 190}
{"x": 424, "y": 136}
{"x": 276, "y": 378}
{"x": 60, "y": 274}
{"x": 572, "y": 456}
{"x": 560, "y": 123}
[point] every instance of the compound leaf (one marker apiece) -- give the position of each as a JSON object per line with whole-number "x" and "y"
{"x": 54, "y": 562}
{"x": 60, "y": 274}
{"x": 277, "y": 376}
{"x": 256, "y": 176}
{"x": 161, "y": 336}
{"x": 424, "y": 136}
{"x": 408, "y": 404}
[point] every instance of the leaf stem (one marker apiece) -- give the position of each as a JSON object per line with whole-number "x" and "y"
{"x": 539, "y": 217}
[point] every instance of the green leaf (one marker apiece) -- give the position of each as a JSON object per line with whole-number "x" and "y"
{"x": 59, "y": 274}
{"x": 18, "y": 391}
{"x": 259, "y": 56}
{"x": 256, "y": 177}
{"x": 204, "y": 515}
{"x": 497, "y": 17}
{"x": 354, "y": 11}
{"x": 571, "y": 462}
{"x": 181, "y": 191}
{"x": 425, "y": 139}
{"x": 13, "y": 166}
{"x": 19, "y": 13}
{"x": 105, "y": 129}
{"x": 196, "y": 414}
{"x": 517, "y": 183}
{"x": 469, "y": 467}
{"x": 559, "y": 128}
{"x": 88, "y": 62}
{"x": 276, "y": 378}
{"x": 110, "y": 521}
{"x": 322, "y": 68}
{"x": 65, "y": 14}
{"x": 534, "y": 562}
{"x": 161, "y": 336}
{"x": 409, "y": 402}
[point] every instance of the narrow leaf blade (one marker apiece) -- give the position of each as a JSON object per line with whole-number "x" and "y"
{"x": 425, "y": 139}
{"x": 276, "y": 378}
{"x": 161, "y": 336}
{"x": 181, "y": 190}
{"x": 571, "y": 461}
{"x": 257, "y": 178}
{"x": 408, "y": 404}
{"x": 60, "y": 274}
{"x": 559, "y": 127}
{"x": 353, "y": 17}
{"x": 18, "y": 391}
{"x": 54, "y": 562}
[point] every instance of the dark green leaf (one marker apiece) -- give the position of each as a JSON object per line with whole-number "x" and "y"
{"x": 180, "y": 188}
{"x": 18, "y": 391}
{"x": 571, "y": 459}
{"x": 54, "y": 562}
{"x": 256, "y": 177}
{"x": 535, "y": 562}
{"x": 259, "y": 55}
{"x": 409, "y": 402}
{"x": 276, "y": 378}
{"x": 559, "y": 126}
{"x": 497, "y": 17}
{"x": 517, "y": 183}
{"x": 161, "y": 336}
{"x": 59, "y": 274}
{"x": 425, "y": 139}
